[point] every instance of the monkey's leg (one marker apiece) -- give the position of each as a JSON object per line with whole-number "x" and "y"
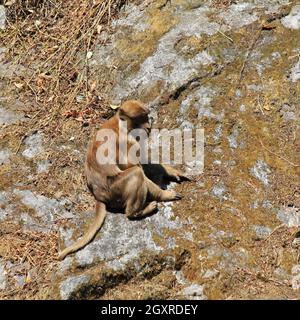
{"x": 133, "y": 189}
{"x": 159, "y": 194}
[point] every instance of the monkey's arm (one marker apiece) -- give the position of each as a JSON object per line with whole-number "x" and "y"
{"x": 175, "y": 173}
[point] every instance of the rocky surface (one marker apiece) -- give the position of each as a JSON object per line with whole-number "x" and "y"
{"x": 233, "y": 71}
{"x": 2, "y": 17}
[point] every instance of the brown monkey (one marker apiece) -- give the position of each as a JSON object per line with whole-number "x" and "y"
{"x": 122, "y": 186}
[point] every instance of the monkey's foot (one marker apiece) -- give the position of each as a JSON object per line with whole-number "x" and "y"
{"x": 151, "y": 207}
{"x": 170, "y": 195}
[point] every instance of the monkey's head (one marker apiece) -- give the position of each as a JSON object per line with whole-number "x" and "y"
{"x": 136, "y": 115}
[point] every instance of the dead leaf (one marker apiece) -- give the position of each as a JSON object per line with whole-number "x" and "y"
{"x": 71, "y": 114}
{"x": 114, "y": 107}
{"x": 9, "y": 3}
{"x": 19, "y": 85}
{"x": 269, "y": 26}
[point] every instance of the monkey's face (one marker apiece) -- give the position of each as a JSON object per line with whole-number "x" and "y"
{"x": 136, "y": 115}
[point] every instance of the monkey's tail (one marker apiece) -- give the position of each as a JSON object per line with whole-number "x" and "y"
{"x": 90, "y": 234}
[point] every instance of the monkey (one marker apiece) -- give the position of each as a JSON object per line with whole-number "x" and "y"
{"x": 123, "y": 186}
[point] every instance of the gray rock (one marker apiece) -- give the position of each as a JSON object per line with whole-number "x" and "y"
{"x": 288, "y": 112}
{"x": 243, "y": 108}
{"x": 3, "y": 277}
{"x": 4, "y": 156}
{"x": 122, "y": 240}
{"x": 43, "y": 166}
{"x": 233, "y": 138}
{"x": 19, "y": 280}
{"x": 219, "y": 191}
{"x": 194, "y": 292}
{"x": 239, "y": 15}
{"x": 166, "y": 65}
{"x": 228, "y": 259}
{"x": 186, "y": 124}
{"x": 71, "y": 285}
{"x": 218, "y": 132}
{"x": 290, "y": 216}
{"x": 2, "y": 17}
{"x": 47, "y": 209}
{"x": 8, "y": 116}
{"x": 34, "y": 145}
{"x": 134, "y": 19}
{"x": 65, "y": 265}
{"x": 296, "y": 277}
{"x": 261, "y": 171}
{"x": 295, "y": 72}
{"x": 262, "y": 232}
{"x": 220, "y": 234}
{"x": 292, "y": 21}
{"x": 5, "y": 207}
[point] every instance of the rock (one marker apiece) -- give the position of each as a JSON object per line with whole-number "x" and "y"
{"x": 134, "y": 19}
{"x": 288, "y": 112}
{"x": 71, "y": 285}
{"x": 261, "y": 171}
{"x": 3, "y": 278}
{"x": 296, "y": 277}
{"x": 8, "y": 116}
{"x": 292, "y": 21}
{"x": 34, "y": 145}
{"x": 295, "y": 72}
{"x": 65, "y": 265}
{"x": 4, "y": 156}
{"x": 219, "y": 191}
{"x": 194, "y": 292}
{"x": 239, "y": 15}
{"x": 233, "y": 138}
{"x": 262, "y": 232}
{"x": 43, "y": 166}
{"x": 122, "y": 240}
{"x": 47, "y": 209}
{"x": 290, "y": 216}
{"x": 5, "y": 207}
{"x": 2, "y": 17}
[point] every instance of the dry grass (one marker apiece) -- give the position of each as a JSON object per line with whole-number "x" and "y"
{"x": 31, "y": 256}
{"x": 261, "y": 281}
{"x": 219, "y": 4}
{"x": 52, "y": 39}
